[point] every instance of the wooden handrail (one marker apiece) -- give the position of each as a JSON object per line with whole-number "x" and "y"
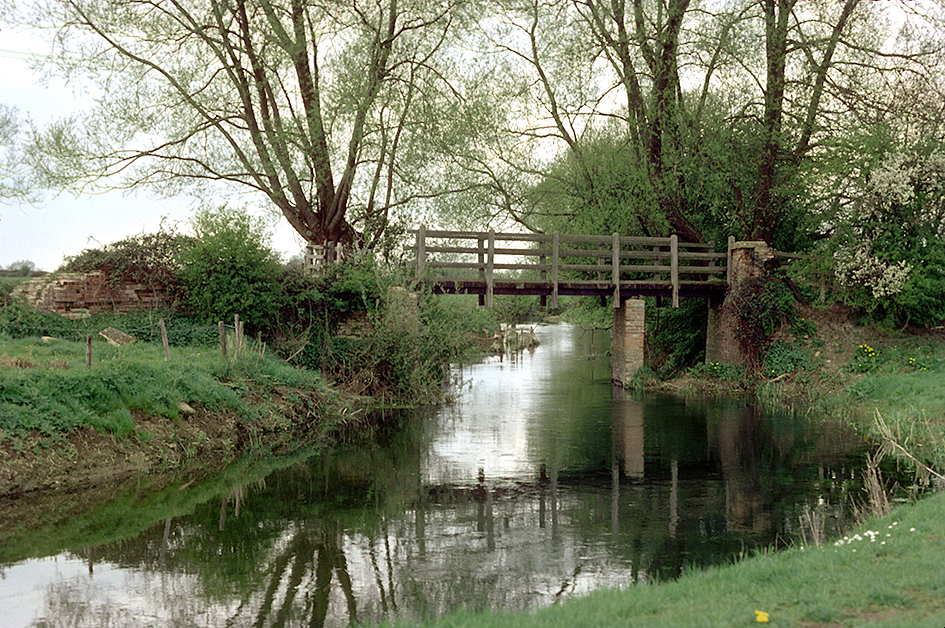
{"x": 540, "y": 263}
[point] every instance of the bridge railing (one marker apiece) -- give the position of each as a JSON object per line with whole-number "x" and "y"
{"x": 488, "y": 263}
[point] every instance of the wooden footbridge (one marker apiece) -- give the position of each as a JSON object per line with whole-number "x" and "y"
{"x": 552, "y": 265}
{"x": 487, "y": 263}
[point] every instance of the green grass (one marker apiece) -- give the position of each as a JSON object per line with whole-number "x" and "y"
{"x": 892, "y": 581}
{"x": 901, "y": 403}
{"x": 45, "y": 386}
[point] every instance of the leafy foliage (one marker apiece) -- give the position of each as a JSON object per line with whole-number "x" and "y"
{"x": 401, "y": 347}
{"x": 230, "y": 269}
{"x": 677, "y": 336}
{"x": 760, "y": 305}
{"x": 784, "y": 357}
{"x": 887, "y": 251}
{"x": 151, "y": 259}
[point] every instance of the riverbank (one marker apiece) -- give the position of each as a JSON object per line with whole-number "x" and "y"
{"x": 885, "y": 574}
{"x": 134, "y": 413}
{"x": 139, "y": 487}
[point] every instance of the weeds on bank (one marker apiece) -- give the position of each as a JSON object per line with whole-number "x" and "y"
{"x": 718, "y": 370}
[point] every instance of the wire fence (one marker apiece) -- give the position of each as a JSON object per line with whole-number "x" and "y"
{"x": 152, "y": 332}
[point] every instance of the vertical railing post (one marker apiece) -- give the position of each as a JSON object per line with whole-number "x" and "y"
{"x": 600, "y": 260}
{"x": 554, "y": 269}
{"x": 481, "y": 259}
{"x": 728, "y": 260}
{"x": 490, "y": 262}
{"x": 421, "y": 250}
{"x": 481, "y": 247}
{"x": 674, "y": 267}
{"x": 615, "y": 267}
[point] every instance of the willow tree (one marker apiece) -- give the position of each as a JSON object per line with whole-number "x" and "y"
{"x": 307, "y": 103}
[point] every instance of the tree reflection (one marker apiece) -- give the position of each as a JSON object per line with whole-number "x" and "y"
{"x": 365, "y": 535}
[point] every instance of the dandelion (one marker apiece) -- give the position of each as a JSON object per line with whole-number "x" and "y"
{"x": 761, "y": 617}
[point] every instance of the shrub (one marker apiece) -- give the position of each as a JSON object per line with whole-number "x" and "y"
{"x": 760, "y": 305}
{"x": 676, "y": 336}
{"x": 783, "y": 357}
{"x": 230, "y": 269}
{"x": 151, "y": 259}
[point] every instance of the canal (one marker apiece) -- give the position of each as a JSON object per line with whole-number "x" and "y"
{"x": 541, "y": 482}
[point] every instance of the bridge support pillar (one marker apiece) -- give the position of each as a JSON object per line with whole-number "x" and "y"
{"x": 629, "y": 337}
{"x": 746, "y": 264}
{"x": 713, "y": 333}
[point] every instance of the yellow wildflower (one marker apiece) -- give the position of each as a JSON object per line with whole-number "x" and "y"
{"x": 761, "y": 617}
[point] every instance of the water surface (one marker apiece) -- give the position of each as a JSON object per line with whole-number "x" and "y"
{"x": 540, "y": 483}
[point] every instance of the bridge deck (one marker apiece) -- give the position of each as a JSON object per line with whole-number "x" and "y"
{"x": 490, "y": 263}
{"x": 628, "y": 289}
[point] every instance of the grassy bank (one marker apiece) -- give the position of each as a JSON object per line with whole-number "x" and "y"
{"x": 134, "y": 411}
{"x": 887, "y": 573}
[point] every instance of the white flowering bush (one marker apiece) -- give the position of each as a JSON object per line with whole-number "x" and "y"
{"x": 862, "y": 269}
{"x": 888, "y": 254}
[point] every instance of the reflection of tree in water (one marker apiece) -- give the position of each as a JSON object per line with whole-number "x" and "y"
{"x": 304, "y": 570}
{"x": 360, "y": 538}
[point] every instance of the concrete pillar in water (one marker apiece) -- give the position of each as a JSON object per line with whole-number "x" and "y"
{"x": 629, "y": 336}
{"x": 628, "y": 433}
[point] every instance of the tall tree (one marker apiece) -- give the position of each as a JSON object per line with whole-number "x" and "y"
{"x": 307, "y": 103}
{"x": 770, "y": 82}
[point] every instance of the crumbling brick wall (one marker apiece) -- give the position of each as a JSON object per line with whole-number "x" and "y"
{"x": 77, "y": 295}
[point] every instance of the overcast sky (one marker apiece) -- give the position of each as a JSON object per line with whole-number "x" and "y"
{"x": 65, "y": 225}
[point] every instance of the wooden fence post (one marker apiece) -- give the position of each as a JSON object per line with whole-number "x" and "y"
{"x": 481, "y": 260}
{"x": 615, "y": 268}
{"x": 238, "y": 334}
{"x": 674, "y": 267}
{"x": 88, "y": 352}
{"x": 167, "y": 349}
{"x": 421, "y": 250}
{"x": 222, "y": 331}
{"x": 554, "y": 269}
{"x": 490, "y": 263}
